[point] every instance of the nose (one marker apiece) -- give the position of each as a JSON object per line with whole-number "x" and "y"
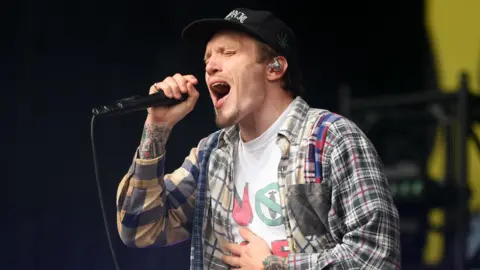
{"x": 212, "y": 66}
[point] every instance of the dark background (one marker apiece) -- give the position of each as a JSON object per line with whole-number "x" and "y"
{"x": 62, "y": 58}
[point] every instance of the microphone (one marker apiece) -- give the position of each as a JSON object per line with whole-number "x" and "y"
{"x": 137, "y": 103}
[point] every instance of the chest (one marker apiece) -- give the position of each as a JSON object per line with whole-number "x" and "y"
{"x": 302, "y": 202}
{"x": 266, "y": 188}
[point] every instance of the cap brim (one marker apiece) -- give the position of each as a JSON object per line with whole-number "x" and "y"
{"x": 202, "y": 30}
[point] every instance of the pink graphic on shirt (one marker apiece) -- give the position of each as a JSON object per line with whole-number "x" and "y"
{"x": 242, "y": 210}
{"x": 280, "y": 248}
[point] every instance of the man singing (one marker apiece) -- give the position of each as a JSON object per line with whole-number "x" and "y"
{"x": 280, "y": 185}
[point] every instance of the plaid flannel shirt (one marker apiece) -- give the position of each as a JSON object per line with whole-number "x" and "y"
{"x": 338, "y": 209}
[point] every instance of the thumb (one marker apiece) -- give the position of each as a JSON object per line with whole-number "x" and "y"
{"x": 246, "y": 234}
{"x": 192, "y": 94}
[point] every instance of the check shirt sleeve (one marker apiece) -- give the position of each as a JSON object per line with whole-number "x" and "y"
{"x": 154, "y": 208}
{"x": 363, "y": 218}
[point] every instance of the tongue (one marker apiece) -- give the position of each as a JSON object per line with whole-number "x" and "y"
{"x": 221, "y": 101}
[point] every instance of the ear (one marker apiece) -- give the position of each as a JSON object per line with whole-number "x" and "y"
{"x": 276, "y": 68}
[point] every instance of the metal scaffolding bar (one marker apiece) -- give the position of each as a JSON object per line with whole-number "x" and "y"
{"x": 462, "y": 221}
{"x": 457, "y": 132}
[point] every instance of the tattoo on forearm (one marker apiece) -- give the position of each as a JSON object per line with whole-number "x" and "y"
{"x": 154, "y": 139}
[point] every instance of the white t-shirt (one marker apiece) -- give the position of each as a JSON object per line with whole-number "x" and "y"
{"x": 256, "y": 199}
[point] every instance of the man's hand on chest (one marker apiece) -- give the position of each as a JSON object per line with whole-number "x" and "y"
{"x": 249, "y": 255}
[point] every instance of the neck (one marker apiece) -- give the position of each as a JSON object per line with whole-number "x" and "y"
{"x": 257, "y": 122}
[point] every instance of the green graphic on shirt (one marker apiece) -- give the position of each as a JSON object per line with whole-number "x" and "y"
{"x": 266, "y": 196}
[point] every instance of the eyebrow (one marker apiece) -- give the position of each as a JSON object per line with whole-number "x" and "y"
{"x": 220, "y": 49}
{"x": 209, "y": 52}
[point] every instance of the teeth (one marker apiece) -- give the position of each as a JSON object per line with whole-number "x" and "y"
{"x": 219, "y": 84}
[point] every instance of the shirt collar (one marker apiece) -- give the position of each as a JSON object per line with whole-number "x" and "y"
{"x": 290, "y": 128}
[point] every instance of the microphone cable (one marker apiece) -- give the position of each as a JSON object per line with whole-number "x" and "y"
{"x": 122, "y": 106}
{"x": 100, "y": 196}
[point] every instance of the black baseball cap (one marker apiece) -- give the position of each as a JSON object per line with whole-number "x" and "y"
{"x": 262, "y": 25}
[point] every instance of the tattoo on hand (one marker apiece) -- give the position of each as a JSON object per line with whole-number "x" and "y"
{"x": 275, "y": 263}
{"x": 154, "y": 139}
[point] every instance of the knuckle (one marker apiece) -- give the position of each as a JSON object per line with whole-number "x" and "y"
{"x": 181, "y": 81}
{"x": 168, "y": 79}
{"x": 170, "y": 85}
{"x": 166, "y": 89}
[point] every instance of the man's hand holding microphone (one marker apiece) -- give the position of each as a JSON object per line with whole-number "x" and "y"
{"x": 173, "y": 87}
{"x": 161, "y": 120}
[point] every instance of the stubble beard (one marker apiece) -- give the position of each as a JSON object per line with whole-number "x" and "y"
{"x": 223, "y": 121}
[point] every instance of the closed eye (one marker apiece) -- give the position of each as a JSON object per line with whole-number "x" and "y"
{"x": 222, "y": 52}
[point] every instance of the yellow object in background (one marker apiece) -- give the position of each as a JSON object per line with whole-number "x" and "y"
{"x": 453, "y": 27}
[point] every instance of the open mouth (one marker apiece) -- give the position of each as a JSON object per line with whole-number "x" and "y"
{"x": 220, "y": 91}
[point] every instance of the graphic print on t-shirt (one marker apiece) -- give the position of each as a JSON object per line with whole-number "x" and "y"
{"x": 242, "y": 210}
{"x": 257, "y": 203}
{"x": 267, "y": 205}
{"x": 267, "y": 219}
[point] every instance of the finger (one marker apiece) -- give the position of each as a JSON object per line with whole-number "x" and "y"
{"x": 191, "y": 79}
{"x": 153, "y": 89}
{"x": 247, "y": 234}
{"x": 234, "y": 248}
{"x": 181, "y": 82}
{"x": 231, "y": 260}
{"x": 192, "y": 94}
{"x": 174, "y": 86}
{"x": 167, "y": 90}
